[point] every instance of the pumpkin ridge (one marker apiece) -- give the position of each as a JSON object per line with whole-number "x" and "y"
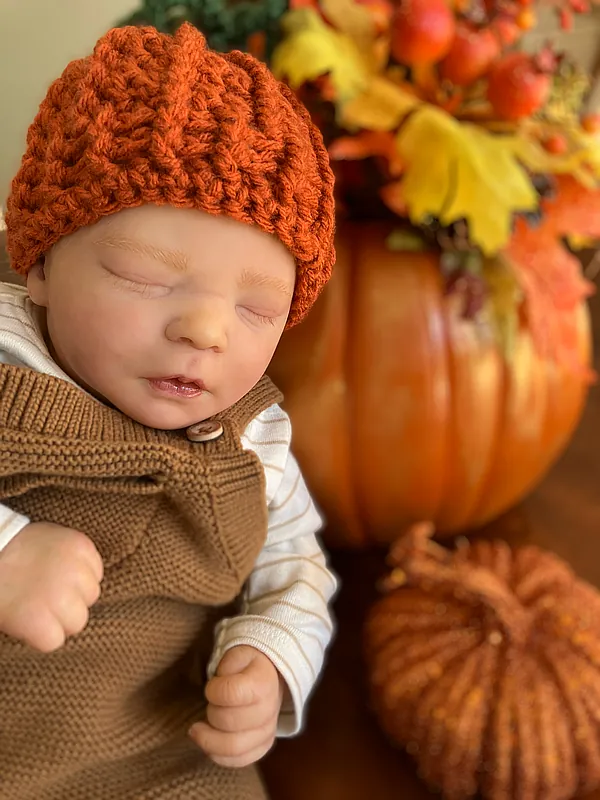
{"x": 450, "y": 431}
{"x": 350, "y": 373}
{"x": 478, "y": 515}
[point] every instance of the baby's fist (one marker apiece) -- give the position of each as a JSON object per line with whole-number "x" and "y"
{"x": 244, "y": 701}
{"x": 49, "y": 578}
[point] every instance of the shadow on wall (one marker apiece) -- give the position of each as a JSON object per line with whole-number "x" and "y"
{"x": 6, "y": 273}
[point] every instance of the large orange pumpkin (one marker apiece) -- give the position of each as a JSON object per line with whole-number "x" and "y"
{"x": 404, "y": 411}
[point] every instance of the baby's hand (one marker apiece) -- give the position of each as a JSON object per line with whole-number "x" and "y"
{"x": 49, "y": 578}
{"x": 244, "y": 700}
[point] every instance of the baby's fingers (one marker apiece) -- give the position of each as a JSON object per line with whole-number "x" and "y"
{"x": 251, "y": 757}
{"x": 232, "y": 749}
{"x": 242, "y": 718}
{"x": 232, "y": 690}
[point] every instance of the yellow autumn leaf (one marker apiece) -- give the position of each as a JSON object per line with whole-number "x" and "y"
{"x": 581, "y": 159}
{"x": 381, "y": 107}
{"x": 591, "y": 155}
{"x": 310, "y": 49}
{"x": 456, "y": 170}
{"x": 577, "y": 242}
{"x": 531, "y": 153}
{"x": 352, "y": 19}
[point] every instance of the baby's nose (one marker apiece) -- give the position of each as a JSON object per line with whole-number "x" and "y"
{"x": 203, "y": 328}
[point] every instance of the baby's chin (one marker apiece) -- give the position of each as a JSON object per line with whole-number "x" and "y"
{"x": 136, "y": 401}
{"x": 165, "y": 419}
{"x": 160, "y": 414}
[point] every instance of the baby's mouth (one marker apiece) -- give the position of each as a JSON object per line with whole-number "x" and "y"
{"x": 178, "y": 386}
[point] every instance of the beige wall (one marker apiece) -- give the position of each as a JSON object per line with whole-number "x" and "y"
{"x": 583, "y": 41}
{"x": 37, "y": 39}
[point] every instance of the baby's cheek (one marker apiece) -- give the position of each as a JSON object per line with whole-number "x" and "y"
{"x": 123, "y": 328}
{"x": 247, "y": 366}
{"x": 96, "y": 341}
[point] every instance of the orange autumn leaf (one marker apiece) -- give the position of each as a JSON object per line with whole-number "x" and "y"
{"x": 550, "y": 276}
{"x": 257, "y": 45}
{"x": 294, "y": 4}
{"x": 367, "y": 144}
{"x": 574, "y": 210}
{"x": 452, "y": 103}
{"x": 393, "y": 197}
{"x": 382, "y": 12}
{"x": 426, "y": 80}
{"x": 326, "y": 88}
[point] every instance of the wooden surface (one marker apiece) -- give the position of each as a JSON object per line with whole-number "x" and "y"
{"x": 342, "y": 755}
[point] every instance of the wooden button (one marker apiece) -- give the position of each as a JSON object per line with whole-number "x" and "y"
{"x": 204, "y": 431}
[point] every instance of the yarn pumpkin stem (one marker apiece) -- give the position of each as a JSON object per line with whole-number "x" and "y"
{"x": 416, "y": 560}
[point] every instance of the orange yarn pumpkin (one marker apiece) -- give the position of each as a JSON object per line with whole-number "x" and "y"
{"x": 485, "y": 666}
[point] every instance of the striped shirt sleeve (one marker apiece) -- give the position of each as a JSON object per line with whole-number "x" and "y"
{"x": 11, "y": 524}
{"x": 18, "y": 346}
{"x": 285, "y": 605}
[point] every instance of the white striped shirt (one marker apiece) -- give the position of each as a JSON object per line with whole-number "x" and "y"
{"x": 285, "y": 602}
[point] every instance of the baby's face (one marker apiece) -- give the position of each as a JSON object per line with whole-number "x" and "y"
{"x": 171, "y": 315}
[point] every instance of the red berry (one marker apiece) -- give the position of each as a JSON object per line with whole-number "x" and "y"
{"x": 591, "y": 123}
{"x": 526, "y": 19}
{"x": 580, "y": 6}
{"x": 556, "y": 144}
{"x": 422, "y": 31}
{"x": 565, "y": 18}
{"x": 517, "y": 87}
{"x": 471, "y": 56}
{"x": 506, "y": 30}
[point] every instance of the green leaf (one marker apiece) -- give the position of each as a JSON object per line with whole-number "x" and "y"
{"x": 404, "y": 241}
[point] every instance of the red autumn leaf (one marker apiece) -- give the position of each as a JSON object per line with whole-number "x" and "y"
{"x": 550, "y": 275}
{"x": 367, "y": 144}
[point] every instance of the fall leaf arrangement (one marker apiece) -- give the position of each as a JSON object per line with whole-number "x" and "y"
{"x": 475, "y": 147}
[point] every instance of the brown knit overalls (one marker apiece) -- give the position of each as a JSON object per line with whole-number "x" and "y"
{"x": 179, "y": 526}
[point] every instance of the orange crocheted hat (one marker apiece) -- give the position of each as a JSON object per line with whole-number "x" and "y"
{"x": 152, "y": 118}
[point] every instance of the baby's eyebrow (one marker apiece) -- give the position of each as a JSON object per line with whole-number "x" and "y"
{"x": 253, "y": 278}
{"x": 172, "y": 258}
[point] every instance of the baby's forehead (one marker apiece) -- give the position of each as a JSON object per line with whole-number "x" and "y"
{"x": 180, "y": 227}
{"x": 187, "y": 241}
